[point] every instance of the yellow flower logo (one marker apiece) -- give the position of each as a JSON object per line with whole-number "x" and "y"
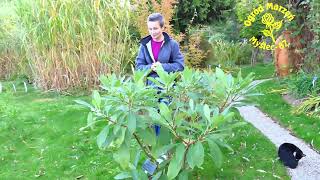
{"x": 267, "y": 19}
{"x": 271, "y": 25}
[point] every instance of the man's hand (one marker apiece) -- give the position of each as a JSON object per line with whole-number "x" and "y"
{"x": 155, "y": 65}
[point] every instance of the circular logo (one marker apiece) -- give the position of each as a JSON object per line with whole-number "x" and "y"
{"x": 271, "y": 25}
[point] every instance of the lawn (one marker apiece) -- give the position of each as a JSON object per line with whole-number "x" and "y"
{"x": 261, "y": 71}
{"x": 272, "y": 103}
{"x": 40, "y": 138}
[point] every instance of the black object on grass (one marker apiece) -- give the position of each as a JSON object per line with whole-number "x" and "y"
{"x": 290, "y": 155}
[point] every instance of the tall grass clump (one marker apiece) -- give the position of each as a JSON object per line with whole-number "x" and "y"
{"x": 70, "y": 43}
{"x": 12, "y": 58}
{"x": 229, "y": 54}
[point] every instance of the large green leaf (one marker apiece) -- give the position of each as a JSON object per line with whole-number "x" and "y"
{"x": 176, "y": 162}
{"x": 138, "y": 76}
{"x": 141, "y": 175}
{"x": 90, "y": 120}
{"x": 220, "y": 74}
{"x": 96, "y": 99}
{"x": 195, "y": 155}
{"x": 102, "y": 137}
{"x": 137, "y": 158}
{"x": 187, "y": 74}
{"x": 163, "y": 75}
{"x": 215, "y": 153}
{"x": 120, "y": 137}
{"x": 157, "y": 81}
{"x": 179, "y": 117}
{"x": 153, "y": 113}
{"x": 119, "y": 118}
{"x": 122, "y": 156}
{"x": 132, "y": 122}
{"x": 163, "y": 177}
{"x": 218, "y": 138}
{"x": 217, "y": 120}
{"x": 123, "y": 175}
{"x": 230, "y": 81}
{"x": 83, "y": 103}
{"x": 165, "y": 136}
{"x": 157, "y": 176}
{"x": 148, "y": 137}
{"x": 229, "y": 116}
{"x": 165, "y": 111}
{"x": 206, "y": 111}
{"x": 183, "y": 175}
{"x": 164, "y": 149}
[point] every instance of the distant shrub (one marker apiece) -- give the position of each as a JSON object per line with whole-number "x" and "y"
{"x": 229, "y": 54}
{"x": 301, "y": 84}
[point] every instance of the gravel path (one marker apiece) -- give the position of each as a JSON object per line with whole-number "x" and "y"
{"x": 309, "y": 166}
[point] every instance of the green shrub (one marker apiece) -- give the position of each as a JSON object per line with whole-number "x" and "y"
{"x": 199, "y": 12}
{"x": 311, "y": 106}
{"x": 198, "y": 115}
{"x": 300, "y": 85}
{"x": 229, "y": 54}
{"x": 194, "y": 52}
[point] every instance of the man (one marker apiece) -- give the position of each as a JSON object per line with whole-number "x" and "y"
{"x": 158, "y": 49}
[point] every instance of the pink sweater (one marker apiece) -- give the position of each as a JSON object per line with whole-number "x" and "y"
{"x": 156, "y": 46}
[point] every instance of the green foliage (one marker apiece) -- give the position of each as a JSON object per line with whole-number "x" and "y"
{"x": 199, "y": 12}
{"x": 223, "y": 30}
{"x": 313, "y": 18}
{"x": 245, "y": 7}
{"x": 222, "y": 42}
{"x": 261, "y": 71}
{"x": 312, "y": 59}
{"x": 300, "y": 85}
{"x": 194, "y": 54}
{"x": 229, "y": 54}
{"x": 199, "y": 112}
{"x": 310, "y": 106}
{"x": 272, "y": 103}
{"x": 70, "y": 43}
{"x": 12, "y": 56}
{"x": 40, "y": 137}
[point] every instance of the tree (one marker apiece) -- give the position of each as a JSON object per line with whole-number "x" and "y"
{"x": 199, "y": 12}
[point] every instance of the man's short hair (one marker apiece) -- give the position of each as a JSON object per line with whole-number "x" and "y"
{"x": 156, "y": 17}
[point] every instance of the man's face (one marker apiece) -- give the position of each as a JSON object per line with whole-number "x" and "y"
{"x": 155, "y": 30}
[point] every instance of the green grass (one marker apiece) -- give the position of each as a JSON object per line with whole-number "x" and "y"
{"x": 40, "y": 137}
{"x": 252, "y": 153}
{"x": 307, "y": 128}
{"x": 261, "y": 71}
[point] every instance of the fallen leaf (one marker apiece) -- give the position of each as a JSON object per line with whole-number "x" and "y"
{"x": 79, "y": 177}
{"x": 262, "y": 171}
{"x": 245, "y": 158}
{"x": 278, "y": 177}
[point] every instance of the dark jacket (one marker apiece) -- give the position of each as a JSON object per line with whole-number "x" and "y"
{"x": 169, "y": 56}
